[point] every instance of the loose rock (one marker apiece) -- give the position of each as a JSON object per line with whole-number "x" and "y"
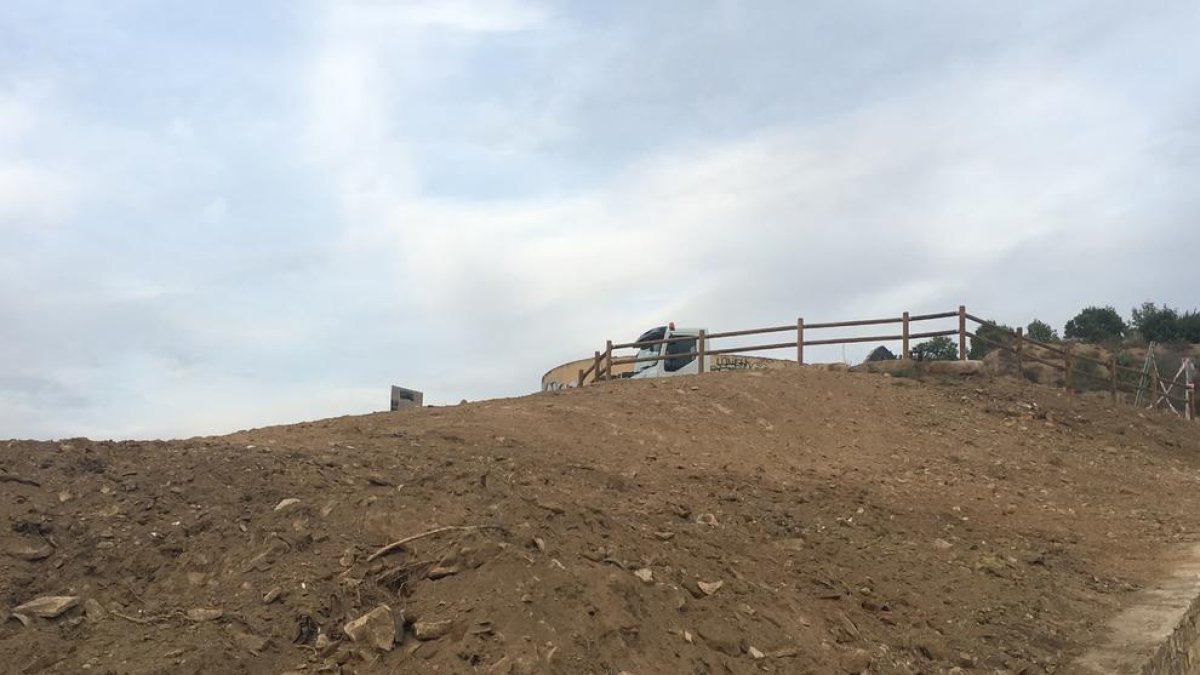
{"x": 204, "y": 614}
{"x": 856, "y": 662}
{"x": 251, "y": 643}
{"x": 48, "y": 606}
{"x": 441, "y": 571}
{"x": 94, "y": 610}
{"x": 325, "y": 645}
{"x": 432, "y": 630}
{"x": 377, "y": 628}
{"x": 31, "y": 553}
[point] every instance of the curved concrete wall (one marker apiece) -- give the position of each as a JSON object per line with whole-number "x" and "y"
{"x": 567, "y": 375}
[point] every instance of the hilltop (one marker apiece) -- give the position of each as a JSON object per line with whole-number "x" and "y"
{"x": 787, "y": 521}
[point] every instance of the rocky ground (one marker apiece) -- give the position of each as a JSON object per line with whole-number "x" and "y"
{"x": 783, "y": 522}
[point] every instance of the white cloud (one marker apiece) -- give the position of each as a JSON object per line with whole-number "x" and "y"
{"x": 34, "y": 193}
{"x": 899, "y": 201}
{"x": 34, "y": 197}
{"x": 965, "y": 174}
{"x": 380, "y": 17}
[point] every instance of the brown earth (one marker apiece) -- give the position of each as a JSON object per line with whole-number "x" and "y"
{"x": 839, "y": 522}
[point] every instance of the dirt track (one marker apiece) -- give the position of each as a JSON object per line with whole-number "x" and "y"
{"x": 839, "y": 522}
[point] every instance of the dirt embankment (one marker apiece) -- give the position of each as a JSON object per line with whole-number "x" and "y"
{"x": 788, "y": 522}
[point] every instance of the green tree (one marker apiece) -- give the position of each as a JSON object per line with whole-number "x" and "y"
{"x": 1157, "y": 324}
{"x": 1189, "y": 327}
{"x": 1041, "y": 331}
{"x": 940, "y": 348}
{"x": 1096, "y": 324}
{"x": 989, "y": 334}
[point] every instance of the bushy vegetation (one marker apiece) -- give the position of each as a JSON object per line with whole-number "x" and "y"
{"x": 1094, "y": 324}
{"x": 1149, "y": 322}
{"x": 1089, "y": 375}
{"x": 1041, "y": 331}
{"x": 1165, "y": 324}
{"x": 1177, "y": 330}
{"x": 989, "y": 334}
{"x": 1099, "y": 325}
{"x": 940, "y": 348}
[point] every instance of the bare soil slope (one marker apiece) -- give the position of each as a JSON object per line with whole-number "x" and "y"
{"x": 788, "y": 522}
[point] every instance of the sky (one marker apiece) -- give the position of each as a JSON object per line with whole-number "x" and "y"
{"x": 222, "y": 215}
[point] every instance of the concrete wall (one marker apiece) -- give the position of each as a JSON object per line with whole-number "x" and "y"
{"x": 406, "y": 398}
{"x": 567, "y": 375}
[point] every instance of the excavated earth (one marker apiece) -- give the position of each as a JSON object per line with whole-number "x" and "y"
{"x": 795, "y": 521}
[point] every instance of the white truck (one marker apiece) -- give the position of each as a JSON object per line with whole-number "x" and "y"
{"x": 670, "y": 366}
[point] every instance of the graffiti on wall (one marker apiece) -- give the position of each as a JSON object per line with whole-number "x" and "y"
{"x": 715, "y": 364}
{"x": 724, "y": 363}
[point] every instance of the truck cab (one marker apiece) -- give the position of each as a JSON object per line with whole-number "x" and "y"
{"x": 668, "y": 367}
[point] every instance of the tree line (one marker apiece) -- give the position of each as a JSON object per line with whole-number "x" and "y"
{"x": 1097, "y": 325}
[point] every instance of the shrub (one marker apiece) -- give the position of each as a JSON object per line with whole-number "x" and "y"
{"x": 940, "y": 348}
{"x": 1157, "y": 324}
{"x": 995, "y": 333}
{"x": 1125, "y": 360}
{"x": 1096, "y": 324}
{"x": 1189, "y": 327}
{"x": 1041, "y": 331}
{"x": 1087, "y": 375}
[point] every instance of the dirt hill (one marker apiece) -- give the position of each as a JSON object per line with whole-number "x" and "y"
{"x": 786, "y": 522}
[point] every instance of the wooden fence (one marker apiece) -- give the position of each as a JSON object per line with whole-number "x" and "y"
{"x": 1108, "y": 373}
{"x": 1014, "y": 341}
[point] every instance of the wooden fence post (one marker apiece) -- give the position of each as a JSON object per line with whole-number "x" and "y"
{"x": 608, "y": 359}
{"x": 700, "y": 350}
{"x": 904, "y": 338}
{"x": 1020, "y": 347}
{"x": 1112, "y": 372}
{"x": 596, "y": 368}
{"x": 800, "y": 341}
{"x": 962, "y": 332}
{"x": 579, "y": 382}
{"x": 1069, "y": 381}
{"x": 1191, "y": 401}
{"x": 1154, "y": 388}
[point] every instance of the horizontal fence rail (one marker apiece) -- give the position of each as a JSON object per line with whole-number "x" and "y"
{"x": 1061, "y": 357}
{"x": 602, "y": 364}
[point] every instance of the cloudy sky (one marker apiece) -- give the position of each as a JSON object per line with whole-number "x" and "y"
{"x": 217, "y": 215}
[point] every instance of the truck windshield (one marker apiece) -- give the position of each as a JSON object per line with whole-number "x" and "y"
{"x": 651, "y": 350}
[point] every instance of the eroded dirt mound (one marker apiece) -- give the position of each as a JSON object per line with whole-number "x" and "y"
{"x": 793, "y": 521}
